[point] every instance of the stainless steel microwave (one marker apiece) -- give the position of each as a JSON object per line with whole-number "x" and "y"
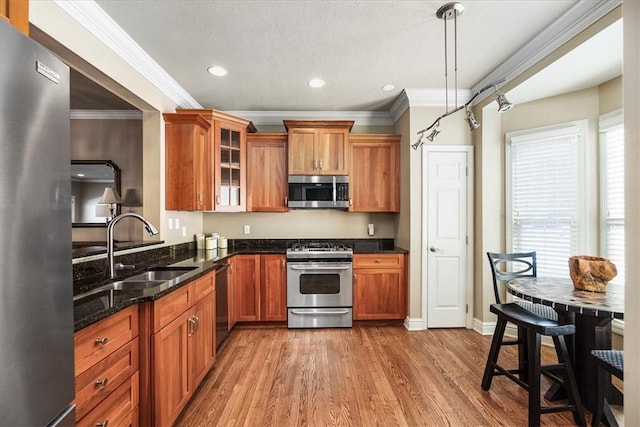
{"x": 318, "y": 191}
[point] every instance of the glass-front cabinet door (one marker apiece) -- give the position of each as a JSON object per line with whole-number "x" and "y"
{"x": 230, "y": 161}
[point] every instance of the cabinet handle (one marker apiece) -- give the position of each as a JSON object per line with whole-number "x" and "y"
{"x": 102, "y": 341}
{"x": 320, "y": 163}
{"x": 217, "y": 200}
{"x": 284, "y": 264}
{"x": 355, "y": 279}
{"x": 377, "y": 261}
{"x": 197, "y": 322}
{"x": 350, "y": 202}
{"x": 192, "y": 325}
{"x": 286, "y": 201}
{"x": 102, "y": 383}
{"x": 102, "y": 424}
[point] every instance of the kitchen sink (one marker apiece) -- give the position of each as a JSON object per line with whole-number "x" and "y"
{"x": 159, "y": 274}
{"x": 132, "y": 285}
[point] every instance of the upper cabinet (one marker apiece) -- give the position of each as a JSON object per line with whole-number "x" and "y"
{"x": 318, "y": 147}
{"x": 16, "y": 13}
{"x": 188, "y": 162}
{"x": 225, "y": 163}
{"x": 374, "y": 183}
{"x": 267, "y": 173}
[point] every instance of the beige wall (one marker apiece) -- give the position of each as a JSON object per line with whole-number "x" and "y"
{"x": 300, "y": 224}
{"x": 454, "y": 131}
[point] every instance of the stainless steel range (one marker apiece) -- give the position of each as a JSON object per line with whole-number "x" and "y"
{"x": 319, "y": 285}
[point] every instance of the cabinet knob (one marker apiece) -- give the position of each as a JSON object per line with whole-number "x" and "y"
{"x": 102, "y": 383}
{"x": 377, "y": 261}
{"x": 102, "y": 341}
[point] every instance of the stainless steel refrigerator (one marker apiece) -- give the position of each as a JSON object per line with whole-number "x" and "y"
{"x": 36, "y": 295}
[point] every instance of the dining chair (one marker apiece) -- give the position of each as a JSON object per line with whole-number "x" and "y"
{"x": 608, "y": 362}
{"x": 531, "y": 326}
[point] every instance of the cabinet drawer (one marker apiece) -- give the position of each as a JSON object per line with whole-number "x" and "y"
{"x": 203, "y": 287}
{"x": 171, "y": 306}
{"x": 99, "y": 340}
{"x": 120, "y": 408}
{"x": 97, "y": 382}
{"x": 378, "y": 261}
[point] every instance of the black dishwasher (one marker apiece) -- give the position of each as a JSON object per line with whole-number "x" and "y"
{"x": 222, "y": 303}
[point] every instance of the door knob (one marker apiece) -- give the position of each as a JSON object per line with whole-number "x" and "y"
{"x": 433, "y": 249}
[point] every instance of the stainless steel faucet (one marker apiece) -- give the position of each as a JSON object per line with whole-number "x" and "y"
{"x": 111, "y": 267}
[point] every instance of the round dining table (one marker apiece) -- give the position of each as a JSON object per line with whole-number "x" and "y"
{"x": 590, "y": 312}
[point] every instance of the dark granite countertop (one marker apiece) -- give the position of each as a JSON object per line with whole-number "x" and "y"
{"x": 83, "y": 249}
{"x": 90, "y": 275}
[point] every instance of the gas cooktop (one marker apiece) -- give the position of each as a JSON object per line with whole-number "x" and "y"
{"x": 325, "y": 249}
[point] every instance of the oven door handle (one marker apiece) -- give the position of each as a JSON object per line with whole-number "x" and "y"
{"x": 321, "y": 312}
{"x": 339, "y": 267}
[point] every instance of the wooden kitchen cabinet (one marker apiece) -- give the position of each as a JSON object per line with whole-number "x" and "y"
{"x": 228, "y": 158}
{"x": 379, "y": 287}
{"x": 318, "y": 147}
{"x": 106, "y": 369}
{"x": 273, "y": 287}
{"x": 267, "y": 186}
{"x": 16, "y": 13}
{"x": 247, "y": 287}
{"x": 183, "y": 347}
{"x": 261, "y": 287}
{"x": 374, "y": 183}
{"x": 188, "y": 167}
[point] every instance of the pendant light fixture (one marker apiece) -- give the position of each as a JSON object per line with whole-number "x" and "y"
{"x": 447, "y": 12}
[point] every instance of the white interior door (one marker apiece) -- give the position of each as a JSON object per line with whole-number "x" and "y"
{"x": 447, "y": 205}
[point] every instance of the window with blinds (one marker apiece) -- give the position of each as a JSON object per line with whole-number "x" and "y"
{"x": 545, "y": 194}
{"x": 612, "y": 187}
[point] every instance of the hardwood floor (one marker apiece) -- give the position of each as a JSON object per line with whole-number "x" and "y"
{"x": 364, "y": 376}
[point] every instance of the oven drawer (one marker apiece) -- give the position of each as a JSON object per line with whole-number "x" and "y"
{"x": 341, "y": 317}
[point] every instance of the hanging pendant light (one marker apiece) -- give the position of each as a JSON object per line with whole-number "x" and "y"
{"x": 451, "y": 12}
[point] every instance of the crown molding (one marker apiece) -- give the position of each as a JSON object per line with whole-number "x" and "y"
{"x": 360, "y": 118}
{"x": 106, "y": 115}
{"x": 102, "y": 26}
{"x": 579, "y": 17}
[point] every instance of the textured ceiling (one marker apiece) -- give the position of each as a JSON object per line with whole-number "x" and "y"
{"x": 272, "y": 48}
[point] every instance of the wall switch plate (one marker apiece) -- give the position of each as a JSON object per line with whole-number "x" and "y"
{"x": 246, "y": 229}
{"x": 184, "y": 231}
{"x": 170, "y": 223}
{"x": 372, "y": 230}
{"x": 177, "y": 221}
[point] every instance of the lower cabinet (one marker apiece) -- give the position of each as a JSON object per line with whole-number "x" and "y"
{"x": 183, "y": 347}
{"x": 106, "y": 370}
{"x": 379, "y": 287}
{"x": 261, "y": 287}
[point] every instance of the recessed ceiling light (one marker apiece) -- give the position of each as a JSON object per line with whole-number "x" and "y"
{"x": 217, "y": 71}
{"x": 387, "y": 88}
{"x": 316, "y": 83}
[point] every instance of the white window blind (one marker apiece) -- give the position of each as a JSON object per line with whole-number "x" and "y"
{"x": 545, "y": 195}
{"x": 612, "y": 187}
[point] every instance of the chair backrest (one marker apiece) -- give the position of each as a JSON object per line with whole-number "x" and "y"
{"x": 505, "y": 267}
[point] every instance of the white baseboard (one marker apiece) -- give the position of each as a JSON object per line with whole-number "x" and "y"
{"x": 415, "y": 324}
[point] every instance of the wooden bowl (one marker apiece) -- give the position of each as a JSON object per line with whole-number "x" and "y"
{"x": 590, "y": 273}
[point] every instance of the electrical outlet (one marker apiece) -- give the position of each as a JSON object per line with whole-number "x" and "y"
{"x": 177, "y": 221}
{"x": 184, "y": 231}
{"x": 246, "y": 229}
{"x": 372, "y": 230}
